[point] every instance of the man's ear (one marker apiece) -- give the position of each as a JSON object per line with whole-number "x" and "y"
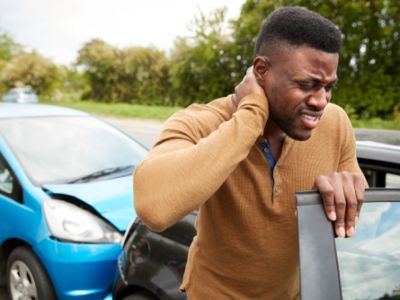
{"x": 261, "y": 67}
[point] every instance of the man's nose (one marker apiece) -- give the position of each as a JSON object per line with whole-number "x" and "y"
{"x": 319, "y": 99}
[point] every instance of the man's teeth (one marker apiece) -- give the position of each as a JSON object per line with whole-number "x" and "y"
{"x": 312, "y": 118}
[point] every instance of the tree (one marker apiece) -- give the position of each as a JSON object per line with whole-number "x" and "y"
{"x": 31, "y": 69}
{"x": 100, "y": 62}
{"x": 8, "y": 48}
{"x": 202, "y": 66}
{"x": 144, "y": 76}
{"x": 135, "y": 74}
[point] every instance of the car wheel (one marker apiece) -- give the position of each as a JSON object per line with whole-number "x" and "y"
{"x": 26, "y": 278}
{"x": 140, "y": 296}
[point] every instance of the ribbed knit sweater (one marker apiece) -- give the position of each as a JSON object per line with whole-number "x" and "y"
{"x": 208, "y": 157}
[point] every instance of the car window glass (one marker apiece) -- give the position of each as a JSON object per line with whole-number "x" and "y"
{"x": 381, "y": 178}
{"x": 392, "y": 180}
{"x": 6, "y": 180}
{"x": 60, "y": 149}
{"x": 369, "y": 262}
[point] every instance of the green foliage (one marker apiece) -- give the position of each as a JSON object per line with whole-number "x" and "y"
{"x": 246, "y": 28}
{"x": 70, "y": 87}
{"x": 31, "y": 69}
{"x": 100, "y": 63}
{"x": 122, "y": 110}
{"x": 210, "y": 61}
{"x": 8, "y": 48}
{"x": 137, "y": 75}
{"x": 144, "y": 76}
{"x": 203, "y": 65}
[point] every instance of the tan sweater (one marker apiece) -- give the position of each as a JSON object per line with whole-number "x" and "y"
{"x": 208, "y": 158}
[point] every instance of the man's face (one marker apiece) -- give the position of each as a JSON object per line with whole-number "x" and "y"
{"x": 298, "y": 84}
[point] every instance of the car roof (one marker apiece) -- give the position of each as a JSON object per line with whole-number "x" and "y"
{"x": 19, "y": 110}
{"x": 378, "y": 151}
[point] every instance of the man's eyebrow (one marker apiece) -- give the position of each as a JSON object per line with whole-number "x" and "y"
{"x": 333, "y": 82}
{"x": 318, "y": 80}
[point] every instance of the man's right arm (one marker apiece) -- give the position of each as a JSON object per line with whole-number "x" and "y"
{"x": 179, "y": 175}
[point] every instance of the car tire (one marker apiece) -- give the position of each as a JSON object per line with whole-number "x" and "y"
{"x": 26, "y": 276}
{"x": 140, "y": 296}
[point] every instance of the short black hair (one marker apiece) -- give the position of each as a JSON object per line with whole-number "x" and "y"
{"x": 297, "y": 26}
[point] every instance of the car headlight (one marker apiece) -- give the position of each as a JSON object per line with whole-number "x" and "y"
{"x": 69, "y": 222}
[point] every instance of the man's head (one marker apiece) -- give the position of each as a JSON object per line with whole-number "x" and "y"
{"x": 295, "y": 62}
{"x": 296, "y": 26}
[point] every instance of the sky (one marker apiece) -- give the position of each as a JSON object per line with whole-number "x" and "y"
{"x": 57, "y": 29}
{"x": 369, "y": 262}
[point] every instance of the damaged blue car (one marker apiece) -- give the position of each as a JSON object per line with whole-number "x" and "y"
{"x": 65, "y": 201}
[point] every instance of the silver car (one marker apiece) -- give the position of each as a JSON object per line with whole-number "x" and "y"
{"x": 21, "y": 95}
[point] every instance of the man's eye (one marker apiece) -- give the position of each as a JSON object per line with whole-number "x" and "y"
{"x": 306, "y": 86}
{"x": 329, "y": 88}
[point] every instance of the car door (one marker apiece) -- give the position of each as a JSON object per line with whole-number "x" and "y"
{"x": 15, "y": 216}
{"x": 366, "y": 266}
{"x": 380, "y": 164}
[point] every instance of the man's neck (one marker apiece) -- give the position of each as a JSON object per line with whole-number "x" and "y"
{"x": 275, "y": 138}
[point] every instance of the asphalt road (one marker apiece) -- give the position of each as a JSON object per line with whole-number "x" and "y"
{"x": 146, "y": 131}
{"x": 378, "y": 135}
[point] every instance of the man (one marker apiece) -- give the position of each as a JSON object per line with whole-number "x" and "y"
{"x": 240, "y": 160}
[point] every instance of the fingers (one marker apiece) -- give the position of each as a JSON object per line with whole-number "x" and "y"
{"x": 359, "y": 183}
{"x": 333, "y": 197}
{"x": 234, "y": 100}
{"x": 325, "y": 188}
{"x": 340, "y": 205}
{"x": 343, "y": 196}
{"x": 350, "y": 201}
{"x": 247, "y": 86}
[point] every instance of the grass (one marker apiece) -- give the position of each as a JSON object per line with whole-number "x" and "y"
{"x": 377, "y": 123}
{"x": 125, "y": 110}
{"x": 121, "y": 110}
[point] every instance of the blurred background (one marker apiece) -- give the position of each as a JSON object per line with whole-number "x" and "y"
{"x": 169, "y": 54}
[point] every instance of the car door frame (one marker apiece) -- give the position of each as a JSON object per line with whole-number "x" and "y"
{"x": 16, "y": 193}
{"x": 319, "y": 269}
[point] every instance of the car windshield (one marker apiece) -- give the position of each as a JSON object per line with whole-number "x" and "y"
{"x": 65, "y": 149}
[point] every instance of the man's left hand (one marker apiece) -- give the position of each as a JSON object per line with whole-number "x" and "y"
{"x": 343, "y": 196}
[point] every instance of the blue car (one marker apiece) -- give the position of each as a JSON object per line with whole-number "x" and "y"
{"x": 65, "y": 201}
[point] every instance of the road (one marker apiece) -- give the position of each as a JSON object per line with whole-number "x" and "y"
{"x": 146, "y": 131}
{"x": 378, "y": 135}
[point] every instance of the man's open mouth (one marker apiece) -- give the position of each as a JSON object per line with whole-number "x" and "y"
{"x": 311, "y": 120}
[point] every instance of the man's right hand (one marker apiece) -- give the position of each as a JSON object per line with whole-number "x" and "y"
{"x": 247, "y": 86}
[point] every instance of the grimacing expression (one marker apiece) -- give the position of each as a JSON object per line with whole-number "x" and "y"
{"x": 298, "y": 83}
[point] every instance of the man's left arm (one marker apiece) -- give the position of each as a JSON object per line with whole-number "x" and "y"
{"x": 343, "y": 191}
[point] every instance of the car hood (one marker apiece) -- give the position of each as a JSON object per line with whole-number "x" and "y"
{"x": 113, "y": 199}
